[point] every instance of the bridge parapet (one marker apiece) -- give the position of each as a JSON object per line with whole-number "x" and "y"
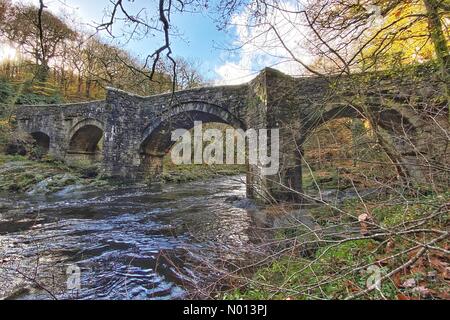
{"x": 57, "y": 121}
{"x": 135, "y": 131}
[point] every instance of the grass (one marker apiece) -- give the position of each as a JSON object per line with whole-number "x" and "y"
{"x": 297, "y": 278}
{"x": 186, "y": 173}
{"x": 342, "y": 269}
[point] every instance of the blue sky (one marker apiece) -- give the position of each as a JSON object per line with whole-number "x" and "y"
{"x": 200, "y": 40}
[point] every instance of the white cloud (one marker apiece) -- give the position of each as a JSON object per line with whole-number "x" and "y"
{"x": 234, "y": 73}
{"x": 259, "y": 45}
{"x": 78, "y": 12}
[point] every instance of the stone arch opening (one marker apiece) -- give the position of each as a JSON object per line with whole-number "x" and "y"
{"x": 383, "y": 152}
{"x": 157, "y": 138}
{"x": 42, "y": 141}
{"x": 389, "y": 119}
{"x": 86, "y": 141}
{"x": 342, "y": 155}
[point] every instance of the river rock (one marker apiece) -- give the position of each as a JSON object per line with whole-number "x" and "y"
{"x": 241, "y": 202}
{"x": 233, "y": 199}
{"x": 70, "y": 189}
{"x": 41, "y": 187}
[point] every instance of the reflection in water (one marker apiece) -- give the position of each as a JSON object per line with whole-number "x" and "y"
{"x": 130, "y": 243}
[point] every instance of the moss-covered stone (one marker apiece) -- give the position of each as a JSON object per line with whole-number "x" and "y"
{"x": 19, "y": 174}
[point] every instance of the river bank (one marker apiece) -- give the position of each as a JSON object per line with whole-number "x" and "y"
{"x": 45, "y": 176}
{"x": 163, "y": 239}
{"x": 358, "y": 250}
{"x": 20, "y": 175}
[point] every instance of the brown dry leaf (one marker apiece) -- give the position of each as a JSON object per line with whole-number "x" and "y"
{"x": 403, "y": 297}
{"x": 441, "y": 255}
{"x": 446, "y": 273}
{"x": 363, "y": 229}
{"x": 383, "y": 263}
{"x": 396, "y": 278}
{"x": 352, "y": 287}
{"x": 390, "y": 246}
{"x": 438, "y": 264}
{"x": 441, "y": 295}
{"x": 413, "y": 253}
{"x": 419, "y": 266}
{"x": 363, "y": 217}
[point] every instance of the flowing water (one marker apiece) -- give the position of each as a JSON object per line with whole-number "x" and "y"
{"x": 129, "y": 243}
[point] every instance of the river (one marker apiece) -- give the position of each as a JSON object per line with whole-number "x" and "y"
{"x": 129, "y": 242}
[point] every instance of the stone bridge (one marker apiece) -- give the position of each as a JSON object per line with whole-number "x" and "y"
{"x": 129, "y": 135}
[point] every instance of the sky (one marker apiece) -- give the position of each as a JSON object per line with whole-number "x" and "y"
{"x": 221, "y": 55}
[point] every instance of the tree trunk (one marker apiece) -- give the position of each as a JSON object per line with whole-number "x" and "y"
{"x": 440, "y": 43}
{"x": 88, "y": 88}
{"x": 357, "y": 127}
{"x": 80, "y": 84}
{"x": 388, "y": 148}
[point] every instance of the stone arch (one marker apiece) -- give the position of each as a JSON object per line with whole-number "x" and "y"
{"x": 400, "y": 128}
{"x": 156, "y": 138}
{"x": 394, "y": 120}
{"x": 84, "y": 139}
{"x": 42, "y": 140}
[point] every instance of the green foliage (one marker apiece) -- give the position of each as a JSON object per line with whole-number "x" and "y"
{"x": 291, "y": 277}
{"x": 5, "y": 134}
{"x": 348, "y": 252}
{"x": 19, "y": 174}
{"x": 85, "y": 169}
{"x": 31, "y": 98}
{"x": 27, "y": 93}
{"x": 6, "y": 91}
{"x": 39, "y": 93}
{"x": 396, "y": 215}
{"x": 185, "y": 173}
{"x": 342, "y": 269}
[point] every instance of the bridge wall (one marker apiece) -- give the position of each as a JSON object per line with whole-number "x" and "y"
{"x": 136, "y": 130}
{"x": 132, "y": 119}
{"x": 58, "y": 121}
